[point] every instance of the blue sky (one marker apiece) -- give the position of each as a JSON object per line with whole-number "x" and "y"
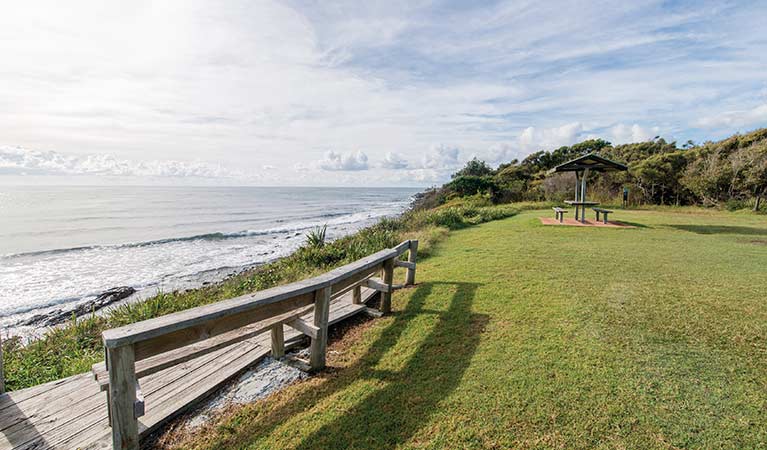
{"x": 350, "y": 93}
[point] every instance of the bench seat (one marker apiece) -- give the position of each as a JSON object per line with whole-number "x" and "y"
{"x": 162, "y": 361}
{"x": 559, "y": 213}
{"x": 604, "y": 212}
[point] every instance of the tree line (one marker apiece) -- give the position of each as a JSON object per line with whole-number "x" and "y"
{"x": 730, "y": 173}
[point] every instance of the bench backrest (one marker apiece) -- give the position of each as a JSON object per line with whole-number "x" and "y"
{"x": 135, "y": 342}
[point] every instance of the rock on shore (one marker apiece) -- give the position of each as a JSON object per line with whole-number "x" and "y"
{"x": 59, "y": 316}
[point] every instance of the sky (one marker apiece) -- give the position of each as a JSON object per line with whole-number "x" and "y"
{"x": 390, "y": 93}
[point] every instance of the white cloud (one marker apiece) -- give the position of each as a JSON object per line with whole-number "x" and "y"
{"x": 21, "y": 161}
{"x": 334, "y": 161}
{"x": 756, "y": 116}
{"x": 441, "y": 157}
{"x": 272, "y": 84}
{"x": 394, "y": 161}
{"x": 533, "y": 139}
{"x": 625, "y": 134}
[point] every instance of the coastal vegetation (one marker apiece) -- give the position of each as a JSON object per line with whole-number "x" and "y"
{"x": 76, "y": 346}
{"x": 731, "y": 173}
{"x": 520, "y": 335}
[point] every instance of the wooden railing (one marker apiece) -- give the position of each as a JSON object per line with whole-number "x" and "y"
{"x": 223, "y": 323}
{"x": 2, "y": 372}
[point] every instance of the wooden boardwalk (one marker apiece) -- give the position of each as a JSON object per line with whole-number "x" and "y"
{"x": 72, "y": 413}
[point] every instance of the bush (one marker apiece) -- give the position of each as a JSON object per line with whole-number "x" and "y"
{"x": 316, "y": 237}
{"x": 470, "y": 185}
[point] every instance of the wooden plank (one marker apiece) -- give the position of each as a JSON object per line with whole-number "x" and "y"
{"x": 400, "y": 249}
{"x": 378, "y": 285}
{"x": 319, "y": 344}
{"x": 82, "y": 422}
{"x": 72, "y": 414}
{"x": 348, "y": 284}
{"x": 348, "y": 311}
{"x": 357, "y": 295}
{"x": 190, "y": 318}
{"x": 176, "y": 399}
{"x": 405, "y": 264}
{"x": 411, "y": 258}
{"x": 122, "y": 392}
{"x": 278, "y": 341}
{"x": 2, "y": 372}
{"x": 66, "y": 428}
{"x": 388, "y": 277}
{"x": 164, "y": 360}
{"x": 28, "y": 394}
{"x": 35, "y": 431}
{"x": 372, "y": 312}
{"x": 188, "y": 335}
{"x": 305, "y": 328}
{"x": 31, "y": 407}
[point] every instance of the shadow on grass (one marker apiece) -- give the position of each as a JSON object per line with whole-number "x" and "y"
{"x": 721, "y": 229}
{"x": 392, "y": 414}
{"x": 634, "y": 224}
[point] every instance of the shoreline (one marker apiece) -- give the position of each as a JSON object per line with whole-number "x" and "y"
{"x": 36, "y": 322}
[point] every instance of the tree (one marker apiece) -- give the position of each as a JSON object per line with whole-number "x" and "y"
{"x": 755, "y": 172}
{"x": 465, "y": 185}
{"x": 474, "y": 168}
{"x": 660, "y": 175}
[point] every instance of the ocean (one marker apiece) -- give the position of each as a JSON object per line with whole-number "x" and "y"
{"x": 64, "y": 245}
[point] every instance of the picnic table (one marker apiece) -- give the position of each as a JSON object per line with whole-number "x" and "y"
{"x": 582, "y": 166}
{"x": 582, "y": 205}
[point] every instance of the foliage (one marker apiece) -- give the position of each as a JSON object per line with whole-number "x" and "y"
{"x": 474, "y": 168}
{"x": 465, "y": 185}
{"x": 728, "y": 172}
{"x": 655, "y": 339}
{"x": 316, "y": 237}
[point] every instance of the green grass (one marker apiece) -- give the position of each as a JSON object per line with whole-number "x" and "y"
{"x": 528, "y": 336}
{"x": 74, "y": 348}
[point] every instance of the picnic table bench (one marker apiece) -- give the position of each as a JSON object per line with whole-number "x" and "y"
{"x": 559, "y": 213}
{"x": 602, "y": 211}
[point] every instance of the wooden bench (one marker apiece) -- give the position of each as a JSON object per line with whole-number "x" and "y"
{"x": 559, "y": 213}
{"x": 602, "y": 211}
{"x": 144, "y": 348}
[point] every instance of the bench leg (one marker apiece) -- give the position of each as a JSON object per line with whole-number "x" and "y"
{"x": 605, "y": 217}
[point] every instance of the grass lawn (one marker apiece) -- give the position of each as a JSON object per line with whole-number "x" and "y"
{"x": 531, "y": 336}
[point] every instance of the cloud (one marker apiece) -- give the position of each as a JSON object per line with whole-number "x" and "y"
{"x": 625, "y": 134}
{"x": 21, "y": 161}
{"x": 532, "y": 139}
{"x": 394, "y": 161}
{"x": 254, "y": 84}
{"x": 737, "y": 119}
{"x": 441, "y": 157}
{"x": 334, "y": 161}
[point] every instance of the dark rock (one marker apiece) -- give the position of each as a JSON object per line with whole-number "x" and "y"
{"x": 114, "y": 295}
{"x": 59, "y": 316}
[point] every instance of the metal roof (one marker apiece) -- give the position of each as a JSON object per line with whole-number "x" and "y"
{"x": 592, "y": 161}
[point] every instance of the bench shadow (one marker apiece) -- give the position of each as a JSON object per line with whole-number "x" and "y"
{"x": 633, "y": 224}
{"x": 393, "y": 414}
{"x": 721, "y": 229}
{"x": 16, "y": 428}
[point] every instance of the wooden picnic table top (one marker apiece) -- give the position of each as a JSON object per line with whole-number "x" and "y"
{"x": 580, "y": 203}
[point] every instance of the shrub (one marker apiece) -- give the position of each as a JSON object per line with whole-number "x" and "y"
{"x": 316, "y": 237}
